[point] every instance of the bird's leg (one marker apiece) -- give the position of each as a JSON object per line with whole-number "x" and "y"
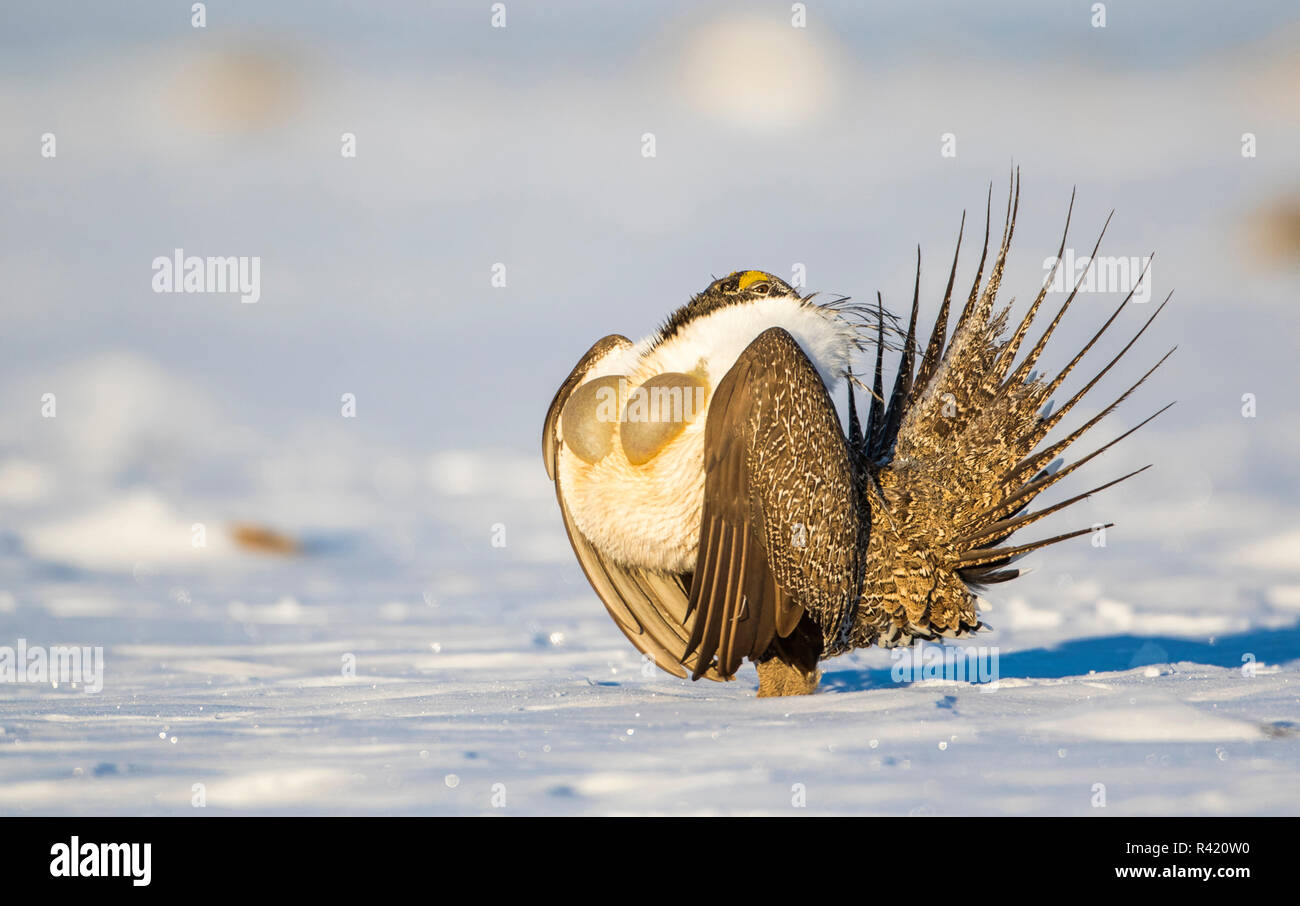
{"x": 776, "y": 677}
{"x": 789, "y": 665}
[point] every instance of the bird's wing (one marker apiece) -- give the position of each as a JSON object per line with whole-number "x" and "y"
{"x": 649, "y": 607}
{"x": 550, "y": 436}
{"x": 781, "y": 531}
{"x": 956, "y": 458}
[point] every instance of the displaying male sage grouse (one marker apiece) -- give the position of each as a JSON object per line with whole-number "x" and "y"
{"x": 721, "y": 510}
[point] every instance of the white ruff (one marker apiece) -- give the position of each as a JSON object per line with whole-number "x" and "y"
{"x": 649, "y": 515}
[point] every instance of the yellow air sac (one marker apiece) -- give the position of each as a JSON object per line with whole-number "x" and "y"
{"x": 588, "y": 418}
{"x": 658, "y": 411}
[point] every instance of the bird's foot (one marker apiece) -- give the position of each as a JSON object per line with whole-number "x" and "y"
{"x": 775, "y": 677}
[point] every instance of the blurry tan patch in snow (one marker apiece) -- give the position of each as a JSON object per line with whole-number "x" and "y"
{"x": 23, "y": 481}
{"x": 1271, "y": 72}
{"x": 262, "y": 540}
{"x": 757, "y": 73}
{"x": 1274, "y": 232}
{"x": 233, "y": 90}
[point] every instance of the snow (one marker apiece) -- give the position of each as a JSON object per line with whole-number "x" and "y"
{"x": 488, "y": 675}
{"x": 139, "y": 527}
{"x": 433, "y": 648}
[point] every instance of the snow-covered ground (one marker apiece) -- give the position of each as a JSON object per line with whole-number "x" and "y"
{"x": 433, "y": 647}
{"x": 488, "y": 677}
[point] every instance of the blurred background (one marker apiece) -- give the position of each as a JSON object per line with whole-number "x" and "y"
{"x": 478, "y": 146}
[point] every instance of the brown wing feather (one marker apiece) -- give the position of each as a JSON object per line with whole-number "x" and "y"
{"x": 650, "y": 609}
{"x": 781, "y": 531}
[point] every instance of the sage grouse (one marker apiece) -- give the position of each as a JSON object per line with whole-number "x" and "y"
{"x": 721, "y": 511}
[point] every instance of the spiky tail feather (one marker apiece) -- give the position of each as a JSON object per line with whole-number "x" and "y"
{"x": 951, "y": 462}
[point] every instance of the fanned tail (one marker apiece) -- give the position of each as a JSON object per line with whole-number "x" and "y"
{"x": 950, "y": 462}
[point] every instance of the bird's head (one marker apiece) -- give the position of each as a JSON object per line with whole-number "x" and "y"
{"x": 745, "y": 286}
{"x": 737, "y": 288}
